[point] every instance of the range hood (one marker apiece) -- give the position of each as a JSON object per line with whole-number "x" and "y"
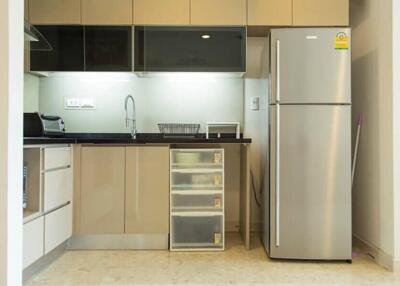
{"x": 31, "y": 34}
{"x": 164, "y": 50}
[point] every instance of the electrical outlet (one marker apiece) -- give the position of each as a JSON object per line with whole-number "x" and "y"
{"x": 255, "y": 103}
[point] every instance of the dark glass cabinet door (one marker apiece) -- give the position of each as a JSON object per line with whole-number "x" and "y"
{"x": 108, "y": 48}
{"x": 66, "y": 53}
{"x": 191, "y": 49}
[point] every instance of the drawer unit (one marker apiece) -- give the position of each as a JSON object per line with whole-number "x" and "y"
{"x": 202, "y": 202}
{"x": 58, "y": 227}
{"x": 33, "y": 233}
{"x": 197, "y": 180}
{"x": 57, "y": 157}
{"x": 197, "y": 200}
{"x": 57, "y": 188}
{"x": 197, "y": 158}
{"x": 197, "y": 231}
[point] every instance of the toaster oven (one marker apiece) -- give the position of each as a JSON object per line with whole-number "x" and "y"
{"x": 40, "y": 125}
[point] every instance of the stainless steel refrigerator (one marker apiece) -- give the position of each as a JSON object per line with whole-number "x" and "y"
{"x": 307, "y": 210}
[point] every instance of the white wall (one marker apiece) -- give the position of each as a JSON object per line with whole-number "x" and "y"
{"x": 257, "y": 85}
{"x": 373, "y": 209}
{"x": 31, "y": 93}
{"x": 11, "y": 103}
{"x": 396, "y": 127}
{"x": 188, "y": 99}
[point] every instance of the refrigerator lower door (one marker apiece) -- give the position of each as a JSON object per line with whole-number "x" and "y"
{"x": 311, "y": 204}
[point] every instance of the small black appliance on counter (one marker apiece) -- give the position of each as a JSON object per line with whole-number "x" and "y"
{"x": 40, "y": 125}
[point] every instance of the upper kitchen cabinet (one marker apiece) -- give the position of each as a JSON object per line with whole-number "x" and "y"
{"x": 218, "y": 12}
{"x": 66, "y": 51}
{"x": 190, "y": 49}
{"x": 62, "y": 12}
{"x": 161, "y": 12}
{"x": 321, "y": 12}
{"x": 107, "y": 12}
{"x": 270, "y": 12}
{"x": 108, "y": 48}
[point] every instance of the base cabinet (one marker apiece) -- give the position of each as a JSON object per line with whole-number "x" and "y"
{"x": 102, "y": 190}
{"x": 147, "y": 190}
{"x": 58, "y": 227}
{"x": 33, "y": 241}
{"x": 124, "y": 190}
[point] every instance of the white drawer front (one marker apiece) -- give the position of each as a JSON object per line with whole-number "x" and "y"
{"x": 33, "y": 247}
{"x": 57, "y": 157}
{"x": 57, "y": 188}
{"x": 58, "y": 227}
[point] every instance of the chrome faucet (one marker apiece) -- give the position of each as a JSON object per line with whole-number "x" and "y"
{"x": 130, "y": 121}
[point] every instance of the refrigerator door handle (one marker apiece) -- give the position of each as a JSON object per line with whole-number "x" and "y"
{"x": 277, "y": 176}
{"x": 278, "y": 71}
{"x": 277, "y": 144}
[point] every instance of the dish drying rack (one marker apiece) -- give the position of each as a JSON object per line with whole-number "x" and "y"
{"x": 177, "y": 130}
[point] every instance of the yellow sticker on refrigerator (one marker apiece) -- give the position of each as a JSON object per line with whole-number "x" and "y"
{"x": 342, "y": 41}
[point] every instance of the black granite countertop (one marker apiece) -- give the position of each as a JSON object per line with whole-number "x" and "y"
{"x": 142, "y": 138}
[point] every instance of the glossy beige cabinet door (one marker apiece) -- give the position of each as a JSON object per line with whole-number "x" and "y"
{"x": 218, "y": 12}
{"x": 147, "y": 190}
{"x": 26, "y": 10}
{"x": 321, "y": 12}
{"x": 55, "y": 11}
{"x": 102, "y": 190}
{"x": 269, "y": 12}
{"x": 107, "y": 12}
{"x": 161, "y": 12}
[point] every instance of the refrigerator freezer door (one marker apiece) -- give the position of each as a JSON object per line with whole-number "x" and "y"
{"x": 311, "y": 211}
{"x": 314, "y": 64}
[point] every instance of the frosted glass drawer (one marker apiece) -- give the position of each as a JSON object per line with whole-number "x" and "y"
{"x": 197, "y": 180}
{"x": 57, "y": 157}
{"x": 197, "y": 158}
{"x": 206, "y": 202}
{"x": 197, "y": 232}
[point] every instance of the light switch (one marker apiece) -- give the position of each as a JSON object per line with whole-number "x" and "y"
{"x": 255, "y": 103}
{"x": 72, "y": 103}
{"x": 79, "y": 103}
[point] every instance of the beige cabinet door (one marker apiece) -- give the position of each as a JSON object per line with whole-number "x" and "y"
{"x": 161, "y": 12}
{"x": 102, "y": 190}
{"x": 218, "y": 12}
{"x": 321, "y": 12}
{"x": 269, "y": 12}
{"x": 147, "y": 190}
{"x": 107, "y": 12}
{"x": 26, "y": 10}
{"x": 55, "y": 11}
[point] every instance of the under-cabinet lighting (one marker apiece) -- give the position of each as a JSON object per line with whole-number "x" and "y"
{"x": 89, "y": 76}
{"x": 190, "y": 75}
{"x": 205, "y": 36}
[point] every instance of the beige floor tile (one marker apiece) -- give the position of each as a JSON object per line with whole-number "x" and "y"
{"x": 235, "y": 266}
